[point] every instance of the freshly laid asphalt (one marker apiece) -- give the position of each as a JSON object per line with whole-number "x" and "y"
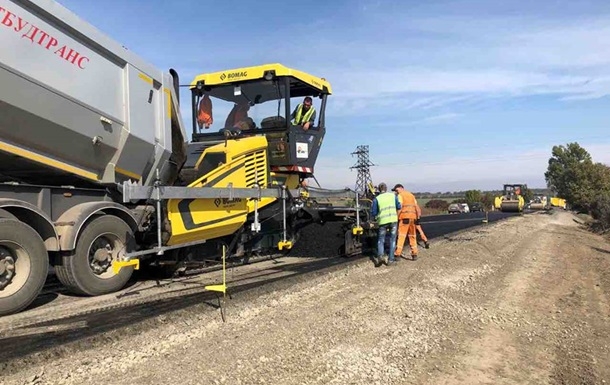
{"x": 435, "y": 226}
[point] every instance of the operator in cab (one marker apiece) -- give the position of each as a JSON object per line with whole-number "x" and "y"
{"x": 305, "y": 114}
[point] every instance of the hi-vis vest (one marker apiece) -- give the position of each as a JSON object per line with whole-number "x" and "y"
{"x": 300, "y": 118}
{"x": 408, "y": 205}
{"x": 387, "y": 208}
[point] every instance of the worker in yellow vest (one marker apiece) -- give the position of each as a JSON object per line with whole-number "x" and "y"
{"x": 305, "y": 114}
{"x": 407, "y": 216}
{"x": 384, "y": 210}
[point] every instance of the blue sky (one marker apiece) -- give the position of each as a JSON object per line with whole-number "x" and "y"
{"x": 448, "y": 95}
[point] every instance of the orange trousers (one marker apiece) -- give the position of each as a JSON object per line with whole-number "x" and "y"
{"x": 406, "y": 230}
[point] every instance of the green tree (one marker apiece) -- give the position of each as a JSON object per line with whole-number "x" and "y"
{"x": 472, "y": 196}
{"x": 593, "y": 182}
{"x": 566, "y": 172}
{"x": 600, "y": 210}
{"x": 488, "y": 200}
{"x": 573, "y": 175}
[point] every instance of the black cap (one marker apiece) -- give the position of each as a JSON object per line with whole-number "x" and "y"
{"x": 397, "y": 186}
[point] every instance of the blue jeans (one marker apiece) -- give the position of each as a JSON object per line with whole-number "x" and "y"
{"x": 391, "y": 227}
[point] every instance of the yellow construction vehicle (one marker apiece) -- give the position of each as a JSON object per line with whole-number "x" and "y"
{"x": 558, "y": 202}
{"x": 539, "y": 202}
{"x": 97, "y": 174}
{"x": 249, "y": 145}
{"x": 512, "y": 200}
{"x": 497, "y": 203}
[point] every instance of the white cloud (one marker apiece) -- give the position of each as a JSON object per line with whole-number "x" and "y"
{"x": 467, "y": 57}
{"x": 436, "y": 119}
{"x": 457, "y": 173}
{"x": 580, "y": 43}
{"x": 393, "y": 83}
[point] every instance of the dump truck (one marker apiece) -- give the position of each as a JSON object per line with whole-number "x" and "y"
{"x": 97, "y": 174}
{"x": 558, "y": 202}
{"x": 511, "y": 199}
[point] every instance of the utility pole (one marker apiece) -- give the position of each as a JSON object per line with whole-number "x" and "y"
{"x": 363, "y": 165}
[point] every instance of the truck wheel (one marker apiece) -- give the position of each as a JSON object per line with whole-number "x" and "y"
{"x": 24, "y": 263}
{"x": 89, "y": 269}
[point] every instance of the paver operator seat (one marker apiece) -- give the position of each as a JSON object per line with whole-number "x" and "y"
{"x": 259, "y": 101}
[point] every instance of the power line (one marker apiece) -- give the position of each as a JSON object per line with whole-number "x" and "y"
{"x": 363, "y": 166}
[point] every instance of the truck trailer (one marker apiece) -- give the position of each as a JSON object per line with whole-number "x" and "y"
{"x": 97, "y": 173}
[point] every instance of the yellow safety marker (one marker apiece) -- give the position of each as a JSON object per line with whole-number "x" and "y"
{"x": 284, "y": 245}
{"x": 222, "y": 288}
{"x": 118, "y": 265}
{"x": 357, "y": 231}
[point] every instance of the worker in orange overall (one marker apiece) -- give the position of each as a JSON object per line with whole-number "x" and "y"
{"x": 204, "y": 114}
{"x": 407, "y": 215}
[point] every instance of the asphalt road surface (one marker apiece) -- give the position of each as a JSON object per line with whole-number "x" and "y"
{"x": 439, "y": 225}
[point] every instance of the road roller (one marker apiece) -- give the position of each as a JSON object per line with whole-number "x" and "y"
{"x": 511, "y": 199}
{"x": 540, "y": 202}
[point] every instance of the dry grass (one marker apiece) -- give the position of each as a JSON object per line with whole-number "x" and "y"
{"x": 426, "y": 211}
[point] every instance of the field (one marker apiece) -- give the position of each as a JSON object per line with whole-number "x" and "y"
{"x": 427, "y": 211}
{"x": 422, "y": 201}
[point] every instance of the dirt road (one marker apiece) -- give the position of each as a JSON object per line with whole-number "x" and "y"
{"x": 524, "y": 301}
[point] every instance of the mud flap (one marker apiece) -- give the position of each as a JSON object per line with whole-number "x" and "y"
{"x": 353, "y": 244}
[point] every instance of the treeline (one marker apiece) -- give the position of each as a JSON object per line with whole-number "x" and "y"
{"x": 485, "y": 198}
{"x": 471, "y": 196}
{"x": 585, "y": 184}
{"x": 461, "y": 194}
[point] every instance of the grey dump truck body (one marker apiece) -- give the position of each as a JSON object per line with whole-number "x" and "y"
{"x": 77, "y": 105}
{"x": 79, "y": 116}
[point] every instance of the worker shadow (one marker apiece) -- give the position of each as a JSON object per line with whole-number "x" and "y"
{"x": 458, "y": 238}
{"x": 600, "y": 250}
{"x": 592, "y": 226}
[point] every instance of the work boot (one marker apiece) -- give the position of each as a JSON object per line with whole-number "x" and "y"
{"x": 385, "y": 259}
{"x": 414, "y": 257}
{"x": 377, "y": 261}
{"x": 427, "y": 245}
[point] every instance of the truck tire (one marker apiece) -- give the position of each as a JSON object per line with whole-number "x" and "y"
{"x": 24, "y": 264}
{"x": 88, "y": 270}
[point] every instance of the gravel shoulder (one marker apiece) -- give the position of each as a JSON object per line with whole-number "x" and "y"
{"x": 526, "y": 300}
